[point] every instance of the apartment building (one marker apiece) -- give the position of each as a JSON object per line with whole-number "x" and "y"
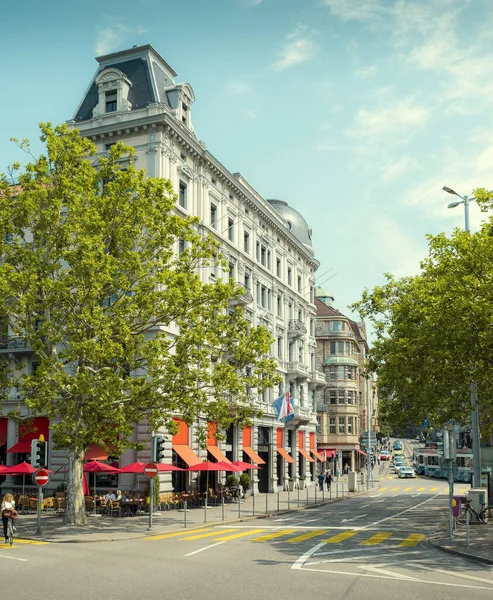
{"x": 133, "y": 98}
{"x": 342, "y": 411}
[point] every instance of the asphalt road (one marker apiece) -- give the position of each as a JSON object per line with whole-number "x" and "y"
{"x": 371, "y": 546}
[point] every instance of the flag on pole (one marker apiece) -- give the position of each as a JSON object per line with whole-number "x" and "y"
{"x": 284, "y": 407}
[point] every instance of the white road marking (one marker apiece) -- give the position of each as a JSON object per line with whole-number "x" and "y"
{"x": 354, "y": 518}
{"x": 460, "y": 585}
{"x": 377, "y": 495}
{"x": 378, "y": 569}
{"x": 313, "y": 520}
{"x": 399, "y": 513}
{"x": 304, "y": 557}
{"x": 13, "y": 558}
{"x": 377, "y": 551}
{"x": 461, "y": 575}
{"x": 205, "y": 548}
{"x": 365, "y": 505}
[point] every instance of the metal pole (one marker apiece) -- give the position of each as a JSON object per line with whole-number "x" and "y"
{"x": 476, "y": 447}
{"x": 222, "y": 506}
{"x": 151, "y": 501}
{"x": 368, "y": 430}
{"x": 38, "y": 517}
{"x": 451, "y": 498}
{"x": 316, "y": 492}
{"x": 266, "y": 503}
{"x": 307, "y": 495}
{"x": 467, "y": 529}
{"x": 239, "y": 503}
{"x": 253, "y": 502}
{"x": 205, "y": 506}
{"x": 278, "y": 500}
{"x": 298, "y": 495}
{"x": 185, "y": 513}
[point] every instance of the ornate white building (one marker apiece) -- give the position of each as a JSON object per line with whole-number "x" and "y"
{"x": 133, "y": 97}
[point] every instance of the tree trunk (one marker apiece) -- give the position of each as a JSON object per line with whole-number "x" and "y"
{"x": 75, "y": 510}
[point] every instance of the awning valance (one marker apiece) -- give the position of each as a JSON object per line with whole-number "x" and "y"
{"x": 217, "y": 454}
{"x": 22, "y": 447}
{"x": 253, "y": 455}
{"x": 285, "y": 455}
{"x": 187, "y": 454}
{"x": 305, "y": 454}
{"x": 317, "y": 455}
{"x": 361, "y": 452}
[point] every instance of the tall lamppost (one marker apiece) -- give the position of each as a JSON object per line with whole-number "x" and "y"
{"x": 476, "y": 449}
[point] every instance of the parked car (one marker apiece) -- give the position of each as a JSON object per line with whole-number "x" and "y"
{"x": 397, "y": 445}
{"x": 384, "y": 455}
{"x": 396, "y": 467}
{"x": 406, "y": 472}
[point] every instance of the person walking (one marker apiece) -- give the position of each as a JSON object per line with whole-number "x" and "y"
{"x": 328, "y": 479}
{"x": 321, "y": 479}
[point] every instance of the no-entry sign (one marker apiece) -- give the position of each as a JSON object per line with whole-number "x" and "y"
{"x": 150, "y": 470}
{"x": 41, "y": 477}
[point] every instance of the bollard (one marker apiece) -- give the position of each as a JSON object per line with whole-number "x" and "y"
{"x": 239, "y": 504}
{"x": 316, "y": 493}
{"x": 467, "y": 529}
{"x": 288, "y": 497}
{"x": 205, "y": 511}
{"x": 253, "y": 503}
{"x": 323, "y": 494}
{"x": 298, "y": 495}
{"x": 307, "y": 495}
{"x": 185, "y": 513}
{"x": 266, "y": 503}
{"x": 222, "y": 506}
{"x": 278, "y": 500}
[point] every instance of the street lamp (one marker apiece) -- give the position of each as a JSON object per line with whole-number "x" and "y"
{"x": 476, "y": 451}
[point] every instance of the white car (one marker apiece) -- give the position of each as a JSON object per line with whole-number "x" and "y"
{"x": 396, "y": 467}
{"x": 406, "y": 472}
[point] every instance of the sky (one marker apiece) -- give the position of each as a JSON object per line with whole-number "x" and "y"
{"x": 355, "y": 112}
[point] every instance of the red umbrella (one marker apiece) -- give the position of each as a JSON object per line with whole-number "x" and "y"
{"x": 2, "y": 468}
{"x": 94, "y": 466}
{"x": 244, "y": 466}
{"x": 98, "y": 467}
{"x": 138, "y": 467}
{"x": 22, "y": 468}
{"x": 213, "y": 466}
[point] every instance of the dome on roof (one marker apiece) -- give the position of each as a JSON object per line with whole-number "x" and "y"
{"x": 324, "y": 296}
{"x": 295, "y": 222}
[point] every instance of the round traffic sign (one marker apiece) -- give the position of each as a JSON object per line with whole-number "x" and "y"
{"x": 151, "y": 470}
{"x": 41, "y": 477}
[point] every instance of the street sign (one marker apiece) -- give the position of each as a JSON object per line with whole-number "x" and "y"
{"x": 41, "y": 477}
{"x": 150, "y": 470}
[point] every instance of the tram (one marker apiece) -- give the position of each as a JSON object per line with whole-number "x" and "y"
{"x": 430, "y": 462}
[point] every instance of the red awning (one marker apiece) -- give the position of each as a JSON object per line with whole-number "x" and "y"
{"x": 317, "y": 455}
{"x": 305, "y": 454}
{"x": 253, "y": 455}
{"x": 23, "y": 447}
{"x": 361, "y": 452}
{"x": 187, "y": 454}
{"x": 95, "y": 452}
{"x": 216, "y": 453}
{"x": 285, "y": 455}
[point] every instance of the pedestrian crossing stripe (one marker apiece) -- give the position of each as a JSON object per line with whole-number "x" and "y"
{"x": 235, "y": 536}
{"x": 421, "y": 489}
{"x": 307, "y": 536}
{"x": 163, "y": 536}
{"x": 435, "y": 489}
{"x": 412, "y": 540}
{"x": 407, "y": 489}
{"x": 340, "y": 537}
{"x": 377, "y": 538}
{"x": 207, "y": 534}
{"x": 396, "y": 489}
{"x": 273, "y": 536}
{"x": 382, "y": 489}
{"x": 21, "y": 541}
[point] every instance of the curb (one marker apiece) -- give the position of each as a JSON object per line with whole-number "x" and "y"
{"x": 198, "y": 527}
{"x": 435, "y": 542}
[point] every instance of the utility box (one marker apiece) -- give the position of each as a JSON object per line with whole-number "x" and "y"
{"x": 478, "y": 497}
{"x": 363, "y": 477}
{"x": 352, "y": 481}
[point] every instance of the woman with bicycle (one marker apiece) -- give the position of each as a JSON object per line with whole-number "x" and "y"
{"x": 8, "y": 512}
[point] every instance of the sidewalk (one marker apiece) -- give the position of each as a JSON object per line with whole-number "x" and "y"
{"x": 480, "y": 542}
{"x": 103, "y": 528}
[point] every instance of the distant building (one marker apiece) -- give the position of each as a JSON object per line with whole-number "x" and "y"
{"x": 341, "y": 412}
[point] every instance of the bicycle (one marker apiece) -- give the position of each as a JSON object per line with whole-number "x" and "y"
{"x": 474, "y": 516}
{"x": 10, "y": 531}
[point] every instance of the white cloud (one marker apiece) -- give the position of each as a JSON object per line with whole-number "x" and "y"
{"x": 110, "y": 39}
{"x": 296, "y": 52}
{"x": 400, "y": 117}
{"x": 393, "y": 169}
{"x": 249, "y": 113}
{"x": 366, "y": 72}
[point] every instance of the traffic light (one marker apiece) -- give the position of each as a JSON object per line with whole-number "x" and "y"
{"x": 157, "y": 448}
{"x": 39, "y": 453}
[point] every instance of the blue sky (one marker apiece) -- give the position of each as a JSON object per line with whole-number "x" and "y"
{"x": 356, "y": 112}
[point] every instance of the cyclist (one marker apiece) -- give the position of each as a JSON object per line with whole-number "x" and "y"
{"x": 8, "y": 508}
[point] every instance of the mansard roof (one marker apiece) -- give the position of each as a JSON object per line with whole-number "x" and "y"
{"x": 151, "y": 77}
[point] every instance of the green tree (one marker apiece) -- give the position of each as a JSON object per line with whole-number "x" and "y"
{"x": 122, "y": 326}
{"x": 434, "y": 332}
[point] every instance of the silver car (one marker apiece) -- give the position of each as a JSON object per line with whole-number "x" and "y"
{"x": 406, "y": 472}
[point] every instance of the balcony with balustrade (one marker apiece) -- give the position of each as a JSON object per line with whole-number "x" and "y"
{"x": 296, "y": 329}
{"x": 14, "y": 343}
{"x": 297, "y": 370}
{"x": 243, "y": 297}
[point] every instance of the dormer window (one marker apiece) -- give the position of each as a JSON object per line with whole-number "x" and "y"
{"x": 184, "y": 114}
{"x": 111, "y": 101}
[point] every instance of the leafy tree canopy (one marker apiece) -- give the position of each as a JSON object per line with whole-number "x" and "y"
{"x": 434, "y": 331}
{"x": 122, "y": 326}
